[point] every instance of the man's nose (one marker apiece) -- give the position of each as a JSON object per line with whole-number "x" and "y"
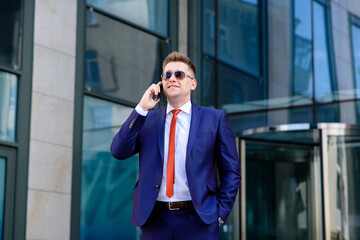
{"x": 172, "y": 78}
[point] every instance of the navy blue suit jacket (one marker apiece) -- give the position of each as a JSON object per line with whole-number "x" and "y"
{"x": 210, "y": 142}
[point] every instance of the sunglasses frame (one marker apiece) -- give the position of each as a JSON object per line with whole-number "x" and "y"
{"x": 181, "y": 73}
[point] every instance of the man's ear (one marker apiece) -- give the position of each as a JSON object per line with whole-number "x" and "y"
{"x": 193, "y": 84}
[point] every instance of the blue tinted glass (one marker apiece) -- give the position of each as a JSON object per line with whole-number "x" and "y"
{"x": 272, "y": 118}
{"x": 10, "y": 25}
{"x": 121, "y": 61}
{"x": 2, "y": 193}
{"x": 152, "y": 15}
{"x": 356, "y": 55}
{"x": 238, "y": 92}
{"x": 323, "y": 82}
{"x": 302, "y": 48}
{"x": 238, "y": 35}
{"x": 207, "y": 86}
{"x": 346, "y": 112}
{"x": 107, "y": 183}
{"x": 209, "y": 30}
{"x": 8, "y": 98}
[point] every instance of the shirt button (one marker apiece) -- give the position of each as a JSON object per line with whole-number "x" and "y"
{"x": 157, "y": 186}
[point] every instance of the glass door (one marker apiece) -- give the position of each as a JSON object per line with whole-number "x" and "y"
{"x": 342, "y": 184}
{"x": 300, "y": 181}
{"x": 279, "y": 199}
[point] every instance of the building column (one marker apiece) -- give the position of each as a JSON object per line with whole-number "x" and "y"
{"x": 52, "y": 114}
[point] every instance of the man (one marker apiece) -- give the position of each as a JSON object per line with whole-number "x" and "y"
{"x": 180, "y": 148}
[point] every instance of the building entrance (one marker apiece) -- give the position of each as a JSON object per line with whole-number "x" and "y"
{"x": 300, "y": 181}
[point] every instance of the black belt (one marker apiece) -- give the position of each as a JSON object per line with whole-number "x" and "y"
{"x": 174, "y": 205}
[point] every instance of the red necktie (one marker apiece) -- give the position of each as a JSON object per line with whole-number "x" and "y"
{"x": 170, "y": 174}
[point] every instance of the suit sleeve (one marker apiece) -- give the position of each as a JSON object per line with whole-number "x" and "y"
{"x": 228, "y": 167}
{"x": 125, "y": 143}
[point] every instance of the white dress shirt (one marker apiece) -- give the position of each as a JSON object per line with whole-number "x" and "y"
{"x": 181, "y": 188}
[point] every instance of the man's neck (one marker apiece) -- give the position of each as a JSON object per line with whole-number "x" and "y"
{"x": 177, "y": 104}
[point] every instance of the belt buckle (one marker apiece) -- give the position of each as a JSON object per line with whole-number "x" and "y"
{"x": 171, "y": 208}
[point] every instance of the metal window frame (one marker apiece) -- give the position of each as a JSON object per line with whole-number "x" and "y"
{"x": 10, "y": 158}
{"x": 18, "y": 152}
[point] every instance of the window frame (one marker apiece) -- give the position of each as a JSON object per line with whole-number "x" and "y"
{"x": 18, "y": 151}
{"x": 9, "y": 154}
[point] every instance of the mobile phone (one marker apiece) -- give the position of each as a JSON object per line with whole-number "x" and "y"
{"x": 156, "y": 97}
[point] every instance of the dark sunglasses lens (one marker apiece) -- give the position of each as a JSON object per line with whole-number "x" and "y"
{"x": 179, "y": 75}
{"x": 167, "y": 75}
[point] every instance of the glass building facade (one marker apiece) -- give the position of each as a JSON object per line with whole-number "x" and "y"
{"x": 272, "y": 66}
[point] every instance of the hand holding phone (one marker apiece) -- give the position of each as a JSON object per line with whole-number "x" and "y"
{"x": 150, "y": 98}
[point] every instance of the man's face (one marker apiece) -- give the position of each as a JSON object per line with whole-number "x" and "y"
{"x": 175, "y": 89}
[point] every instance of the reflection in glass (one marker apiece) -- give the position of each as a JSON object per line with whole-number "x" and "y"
{"x": 344, "y": 173}
{"x": 10, "y": 25}
{"x": 121, "y": 61}
{"x": 331, "y": 112}
{"x": 238, "y": 92}
{"x": 152, "y": 15}
{"x": 324, "y": 84}
{"x": 238, "y": 35}
{"x": 302, "y": 60}
{"x": 2, "y": 193}
{"x": 277, "y": 192}
{"x": 207, "y": 86}
{"x": 356, "y": 56}
{"x": 107, "y": 184}
{"x": 271, "y": 118}
{"x": 237, "y": 53}
{"x": 8, "y": 98}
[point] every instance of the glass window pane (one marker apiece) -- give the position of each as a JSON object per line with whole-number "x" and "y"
{"x": 10, "y": 26}
{"x": 238, "y": 35}
{"x": 207, "y": 86}
{"x": 272, "y": 118}
{"x": 152, "y": 15}
{"x": 121, "y": 61}
{"x": 8, "y": 98}
{"x": 346, "y": 112}
{"x": 324, "y": 84}
{"x": 238, "y": 92}
{"x": 107, "y": 183}
{"x": 356, "y": 56}
{"x": 302, "y": 47}
{"x": 2, "y": 193}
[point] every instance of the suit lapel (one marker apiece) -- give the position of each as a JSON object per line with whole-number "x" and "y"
{"x": 160, "y": 130}
{"x": 194, "y": 126}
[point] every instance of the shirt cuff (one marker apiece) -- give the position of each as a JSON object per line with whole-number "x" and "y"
{"x": 140, "y": 111}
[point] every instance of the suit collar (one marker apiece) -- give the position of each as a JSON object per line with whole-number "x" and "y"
{"x": 160, "y": 130}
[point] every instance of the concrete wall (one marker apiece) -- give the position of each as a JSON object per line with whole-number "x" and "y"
{"x": 50, "y": 163}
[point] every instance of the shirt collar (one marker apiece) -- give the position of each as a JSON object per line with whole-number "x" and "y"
{"x": 185, "y": 108}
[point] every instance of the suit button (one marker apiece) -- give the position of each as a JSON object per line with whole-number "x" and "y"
{"x": 157, "y": 186}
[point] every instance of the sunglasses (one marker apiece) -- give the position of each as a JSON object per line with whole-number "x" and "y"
{"x": 179, "y": 75}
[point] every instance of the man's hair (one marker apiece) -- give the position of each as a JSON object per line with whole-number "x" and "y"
{"x": 179, "y": 57}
